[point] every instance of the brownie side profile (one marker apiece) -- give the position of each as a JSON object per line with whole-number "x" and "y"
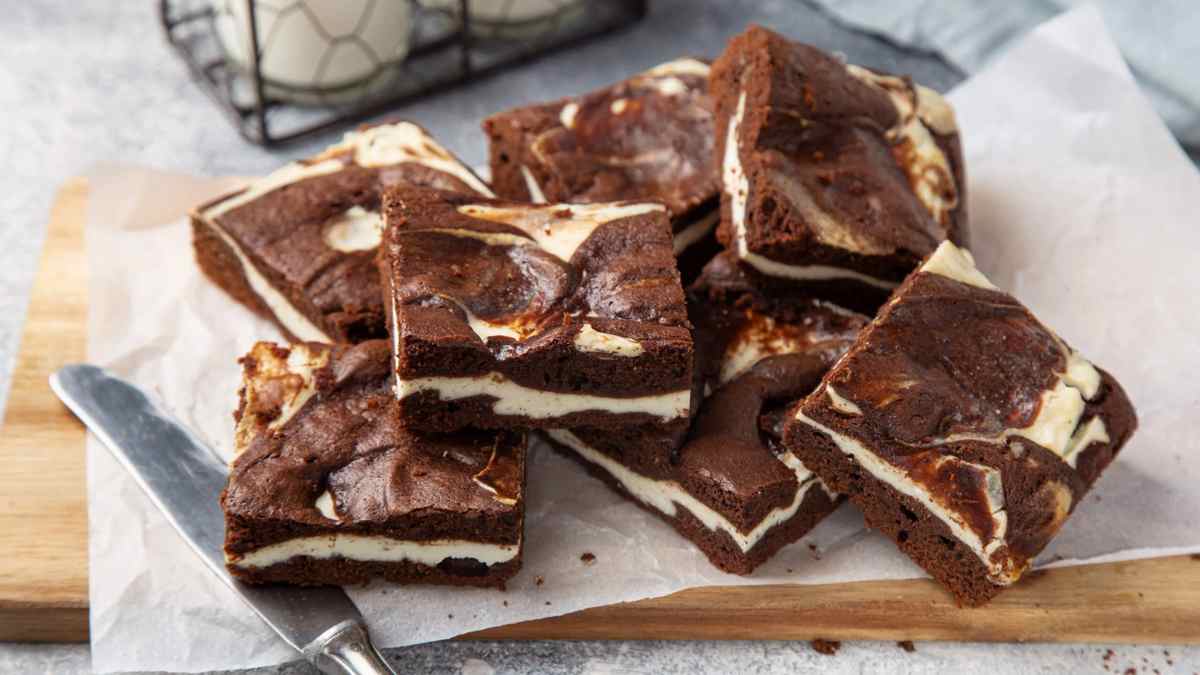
{"x": 739, "y": 508}
{"x": 328, "y": 487}
{"x": 647, "y": 138}
{"x": 835, "y": 179}
{"x": 962, "y": 427}
{"x": 511, "y": 315}
{"x": 298, "y": 246}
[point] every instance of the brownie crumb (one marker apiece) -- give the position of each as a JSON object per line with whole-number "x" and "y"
{"x": 816, "y": 553}
{"x": 547, "y": 603}
{"x": 538, "y": 580}
{"x": 907, "y": 645}
{"x": 506, "y": 603}
{"x": 1131, "y": 671}
{"x": 1109, "y": 654}
{"x": 1195, "y": 556}
{"x": 449, "y": 616}
{"x": 588, "y": 558}
{"x": 826, "y": 647}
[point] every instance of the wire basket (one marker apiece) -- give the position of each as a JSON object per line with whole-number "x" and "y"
{"x": 283, "y": 69}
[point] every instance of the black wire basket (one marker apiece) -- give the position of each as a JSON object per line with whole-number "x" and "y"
{"x": 283, "y": 69}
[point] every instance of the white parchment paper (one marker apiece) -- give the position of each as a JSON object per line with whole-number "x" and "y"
{"x": 1081, "y": 204}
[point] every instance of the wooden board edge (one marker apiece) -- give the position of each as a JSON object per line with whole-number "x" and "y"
{"x": 1148, "y": 601}
{"x": 36, "y": 425}
{"x": 1153, "y": 601}
{"x": 43, "y": 624}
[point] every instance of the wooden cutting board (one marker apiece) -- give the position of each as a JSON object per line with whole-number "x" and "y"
{"x": 43, "y": 536}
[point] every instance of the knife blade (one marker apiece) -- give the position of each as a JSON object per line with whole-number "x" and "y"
{"x": 183, "y": 477}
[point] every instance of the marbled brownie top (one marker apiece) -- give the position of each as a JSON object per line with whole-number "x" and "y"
{"x": 831, "y": 170}
{"x": 958, "y": 395}
{"x": 311, "y": 228}
{"x": 541, "y": 290}
{"x": 647, "y": 138}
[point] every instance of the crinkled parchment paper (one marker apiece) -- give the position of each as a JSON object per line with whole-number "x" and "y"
{"x": 1081, "y": 204}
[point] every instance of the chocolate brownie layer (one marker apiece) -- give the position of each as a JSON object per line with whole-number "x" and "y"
{"x": 647, "y": 138}
{"x": 519, "y": 315}
{"x": 963, "y": 428}
{"x": 835, "y": 178}
{"x": 307, "y": 571}
{"x": 328, "y": 487}
{"x": 298, "y": 246}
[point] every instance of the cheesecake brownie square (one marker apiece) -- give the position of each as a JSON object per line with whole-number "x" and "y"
{"x": 328, "y": 487}
{"x": 513, "y": 315}
{"x": 963, "y": 428}
{"x": 647, "y": 138}
{"x": 298, "y": 246}
{"x": 836, "y": 179}
{"x": 732, "y": 489}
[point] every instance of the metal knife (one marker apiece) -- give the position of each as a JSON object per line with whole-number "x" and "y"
{"x": 184, "y": 479}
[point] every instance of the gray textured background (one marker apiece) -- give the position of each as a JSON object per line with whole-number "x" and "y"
{"x": 83, "y": 81}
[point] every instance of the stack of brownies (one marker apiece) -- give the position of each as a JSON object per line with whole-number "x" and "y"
{"x": 835, "y": 339}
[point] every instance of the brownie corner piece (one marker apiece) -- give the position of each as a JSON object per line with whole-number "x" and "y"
{"x": 297, "y": 246}
{"x": 326, "y": 487}
{"x": 513, "y": 315}
{"x": 834, "y": 177}
{"x": 963, "y": 428}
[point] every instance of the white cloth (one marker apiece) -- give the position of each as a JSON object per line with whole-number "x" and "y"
{"x": 1160, "y": 45}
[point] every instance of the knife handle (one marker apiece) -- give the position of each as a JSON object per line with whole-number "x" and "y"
{"x": 346, "y": 649}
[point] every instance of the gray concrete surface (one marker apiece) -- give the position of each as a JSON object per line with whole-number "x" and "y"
{"x": 685, "y": 658}
{"x": 83, "y": 81}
